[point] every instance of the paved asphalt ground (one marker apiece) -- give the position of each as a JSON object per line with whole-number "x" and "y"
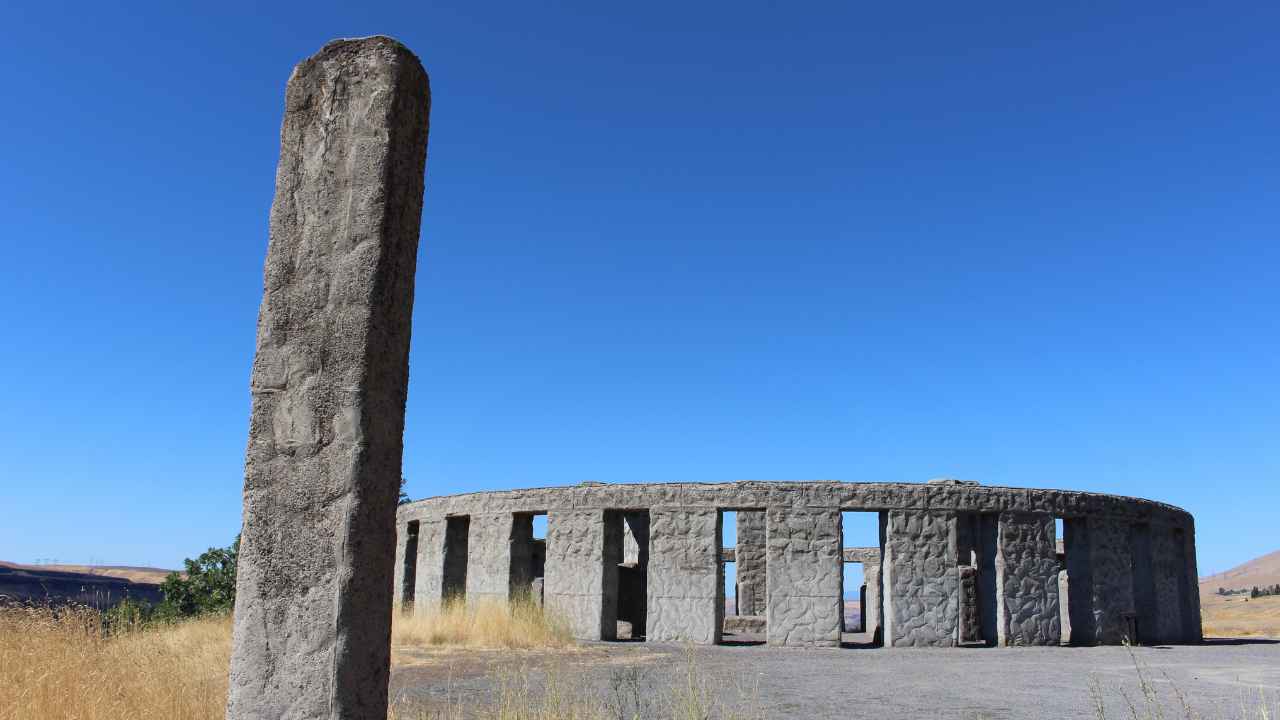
{"x": 1221, "y": 679}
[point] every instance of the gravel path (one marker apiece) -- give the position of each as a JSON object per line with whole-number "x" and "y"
{"x": 1218, "y": 678}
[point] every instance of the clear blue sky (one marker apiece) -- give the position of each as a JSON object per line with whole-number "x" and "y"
{"x": 1015, "y": 243}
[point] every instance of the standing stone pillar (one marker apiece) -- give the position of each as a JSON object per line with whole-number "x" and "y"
{"x": 749, "y": 558}
{"x": 322, "y": 469}
{"x": 686, "y": 582}
{"x": 871, "y": 607}
{"x": 1112, "y": 576}
{"x": 574, "y": 585}
{"x": 806, "y": 577}
{"x": 1192, "y": 628}
{"x": 1027, "y": 581}
{"x": 1168, "y": 565}
{"x": 428, "y": 590}
{"x": 489, "y": 557}
{"x": 921, "y": 586}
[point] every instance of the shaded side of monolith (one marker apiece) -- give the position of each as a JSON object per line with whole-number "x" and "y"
{"x": 329, "y": 382}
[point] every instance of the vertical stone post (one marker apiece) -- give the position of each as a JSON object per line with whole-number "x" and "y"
{"x": 1027, "y": 581}
{"x": 805, "y": 577}
{"x": 921, "y": 586}
{"x": 749, "y": 558}
{"x": 489, "y": 557}
{"x": 574, "y": 583}
{"x": 313, "y": 605}
{"x": 1192, "y": 627}
{"x": 686, "y": 599}
{"x": 1111, "y": 570}
{"x": 428, "y": 590}
{"x": 1168, "y": 565}
{"x": 871, "y": 607}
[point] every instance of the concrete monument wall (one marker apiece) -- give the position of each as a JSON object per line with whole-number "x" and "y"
{"x": 805, "y": 578}
{"x": 1027, "y": 581}
{"x": 686, "y": 577}
{"x": 958, "y": 563}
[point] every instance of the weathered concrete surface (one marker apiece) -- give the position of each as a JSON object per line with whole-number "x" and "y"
{"x": 1027, "y": 581}
{"x": 922, "y": 587}
{"x": 428, "y": 588}
{"x": 843, "y": 683}
{"x": 1169, "y": 565}
{"x": 1112, "y": 577}
{"x": 330, "y": 376}
{"x": 805, "y": 579}
{"x": 929, "y": 565}
{"x": 686, "y": 581}
{"x": 575, "y": 577}
{"x": 750, "y": 560}
{"x": 871, "y": 608}
{"x": 1079, "y": 604}
{"x": 489, "y": 557}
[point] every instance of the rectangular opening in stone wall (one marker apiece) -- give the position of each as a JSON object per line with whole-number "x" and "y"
{"x": 457, "y": 531}
{"x": 409, "y": 567}
{"x": 730, "y": 588}
{"x": 977, "y": 537}
{"x": 528, "y": 556}
{"x": 861, "y": 604}
{"x": 626, "y": 584}
{"x": 1079, "y": 629}
{"x": 729, "y": 539}
{"x": 1064, "y": 589}
{"x": 742, "y": 576}
{"x": 1144, "y": 582}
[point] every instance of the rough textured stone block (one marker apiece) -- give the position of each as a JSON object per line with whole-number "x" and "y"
{"x": 489, "y": 557}
{"x": 1064, "y": 617}
{"x": 429, "y": 578}
{"x": 749, "y": 557}
{"x": 1112, "y": 577}
{"x": 805, "y": 578}
{"x": 686, "y": 583}
{"x": 1027, "y": 581}
{"x": 573, "y": 586}
{"x": 871, "y": 608}
{"x": 1192, "y": 630}
{"x": 921, "y": 584}
{"x": 1168, "y": 566}
{"x": 322, "y": 470}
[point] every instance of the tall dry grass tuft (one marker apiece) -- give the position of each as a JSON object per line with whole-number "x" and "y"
{"x": 59, "y": 665}
{"x": 485, "y": 623}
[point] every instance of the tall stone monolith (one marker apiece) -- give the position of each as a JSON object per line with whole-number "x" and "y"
{"x": 322, "y": 469}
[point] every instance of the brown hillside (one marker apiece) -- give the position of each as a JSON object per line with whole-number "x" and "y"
{"x": 1238, "y": 615}
{"x": 150, "y": 575}
{"x": 1257, "y": 572}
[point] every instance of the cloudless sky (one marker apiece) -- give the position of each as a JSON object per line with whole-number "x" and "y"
{"x": 1021, "y": 243}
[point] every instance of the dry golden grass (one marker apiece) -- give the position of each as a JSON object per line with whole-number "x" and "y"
{"x": 59, "y": 666}
{"x": 1239, "y": 616}
{"x": 489, "y": 624}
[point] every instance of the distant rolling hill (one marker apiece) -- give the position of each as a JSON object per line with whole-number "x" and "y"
{"x": 99, "y": 587}
{"x": 1259, "y": 572}
{"x": 1238, "y": 615}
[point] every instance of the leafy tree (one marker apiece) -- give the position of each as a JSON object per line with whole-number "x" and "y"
{"x": 1254, "y": 593}
{"x": 209, "y": 585}
{"x": 404, "y": 497}
{"x": 1222, "y": 591}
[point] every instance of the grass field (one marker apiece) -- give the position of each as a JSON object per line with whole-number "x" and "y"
{"x": 1238, "y": 616}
